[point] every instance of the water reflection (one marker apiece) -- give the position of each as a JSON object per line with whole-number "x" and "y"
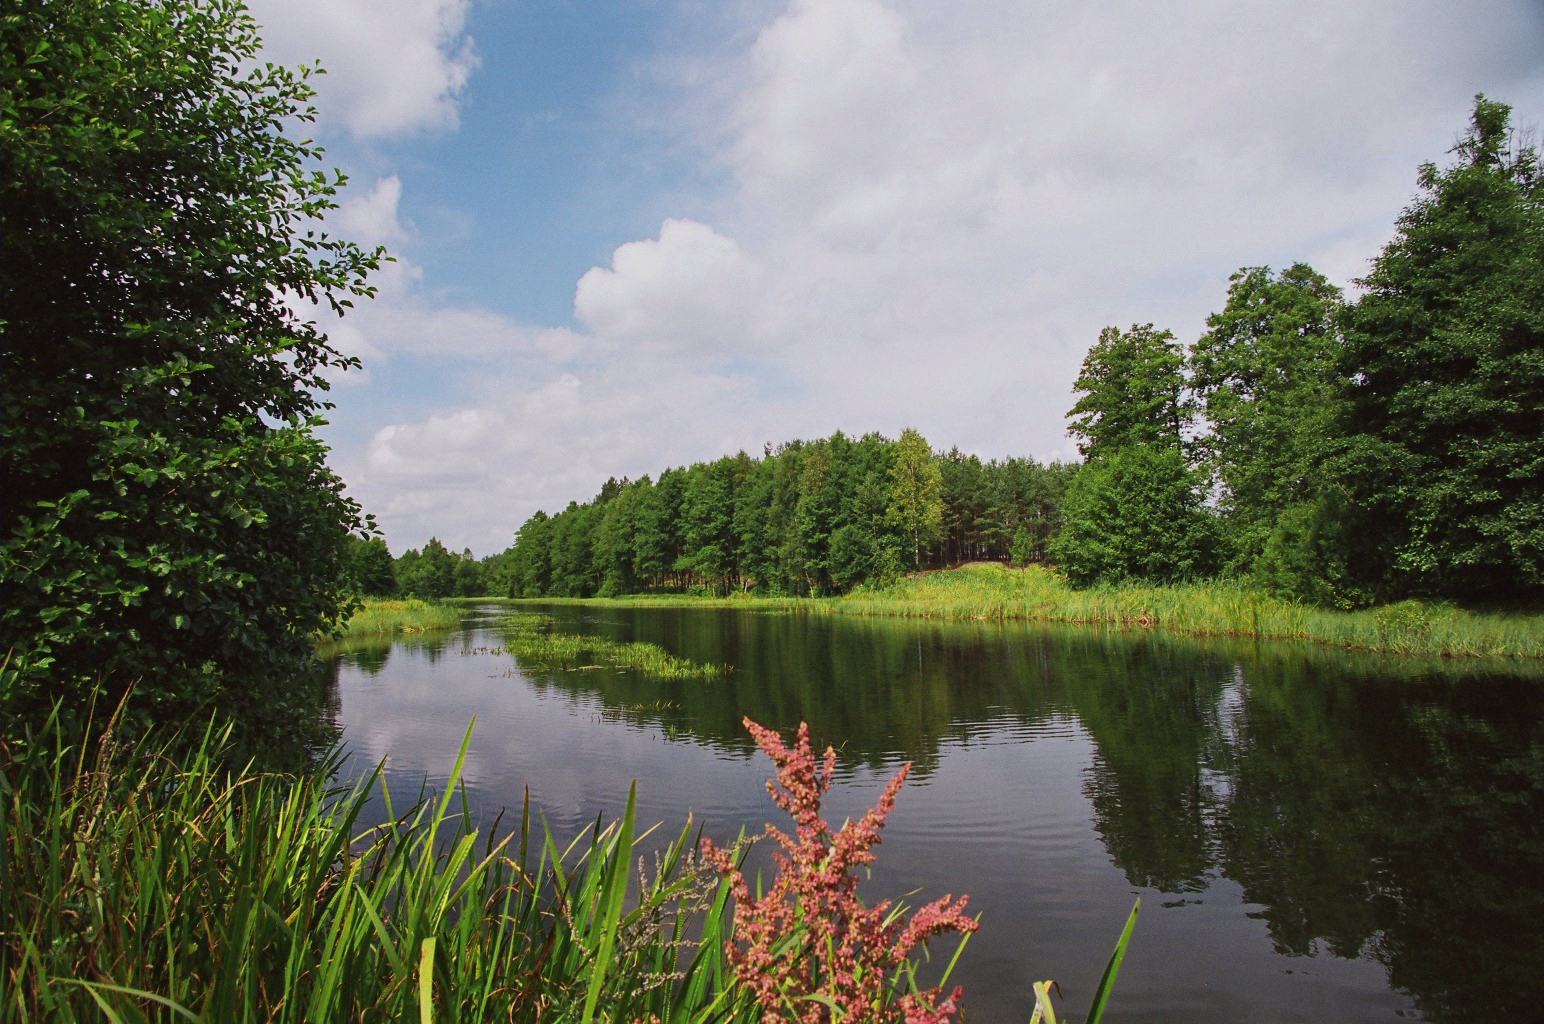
{"x": 1300, "y": 818}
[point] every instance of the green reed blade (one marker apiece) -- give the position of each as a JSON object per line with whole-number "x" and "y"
{"x": 426, "y": 982}
{"x": 1102, "y": 993}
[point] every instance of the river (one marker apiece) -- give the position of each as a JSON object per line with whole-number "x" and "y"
{"x": 1314, "y": 837}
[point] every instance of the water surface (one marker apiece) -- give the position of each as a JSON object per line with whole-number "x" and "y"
{"x": 1314, "y": 837}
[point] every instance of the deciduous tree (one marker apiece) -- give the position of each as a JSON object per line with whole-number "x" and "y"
{"x": 1132, "y": 391}
{"x": 1267, "y": 375}
{"x": 916, "y": 492}
{"x": 169, "y": 519}
{"x": 1134, "y": 514}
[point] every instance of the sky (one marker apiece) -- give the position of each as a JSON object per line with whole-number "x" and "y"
{"x": 635, "y": 235}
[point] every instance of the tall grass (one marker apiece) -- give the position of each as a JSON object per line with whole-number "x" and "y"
{"x": 149, "y": 887}
{"x": 381, "y": 616}
{"x": 994, "y": 592}
{"x": 154, "y": 884}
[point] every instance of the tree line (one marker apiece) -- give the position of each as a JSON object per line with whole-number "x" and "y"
{"x": 1340, "y": 452}
{"x": 807, "y": 518}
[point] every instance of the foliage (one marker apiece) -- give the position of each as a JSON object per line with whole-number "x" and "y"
{"x": 1135, "y": 514}
{"x": 1133, "y": 391}
{"x": 916, "y": 505}
{"x": 1022, "y": 550}
{"x": 1308, "y": 552}
{"x": 434, "y": 573}
{"x": 807, "y": 948}
{"x": 1446, "y": 356}
{"x": 169, "y": 519}
{"x": 371, "y": 567}
{"x": 808, "y": 518}
{"x": 1266, "y": 373}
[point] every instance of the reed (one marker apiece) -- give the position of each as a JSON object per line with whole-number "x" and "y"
{"x": 150, "y": 886}
{"x": 380, "y": 617}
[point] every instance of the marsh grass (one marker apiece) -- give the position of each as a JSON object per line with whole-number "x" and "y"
{"x": 530, "y": 638}
{"x": 156, "y": 886}
{"x": 994, "y": 592}
{"x": 381, "y": 617}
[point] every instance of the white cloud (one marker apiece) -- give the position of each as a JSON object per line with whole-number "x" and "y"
{"x": 690, "y": 288}
{"x": 393, "y": 66}
{"x": 371, "y": 218}
{"x": 935, "y": 210}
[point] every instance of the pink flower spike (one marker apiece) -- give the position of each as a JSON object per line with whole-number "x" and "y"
{"x": 845, "y": 955}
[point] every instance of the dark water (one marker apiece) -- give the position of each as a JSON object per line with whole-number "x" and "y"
{"x": 1313, "y": 838}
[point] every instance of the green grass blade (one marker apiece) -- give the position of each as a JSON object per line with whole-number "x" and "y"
{"x": 614, "y": 888}
{"x": 426, "y": 982}
{"x": 92, "y": 986}
{"x": 1102, "y": 993}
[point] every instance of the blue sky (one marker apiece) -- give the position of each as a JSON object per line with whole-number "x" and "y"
{"x": 636, "y": 235}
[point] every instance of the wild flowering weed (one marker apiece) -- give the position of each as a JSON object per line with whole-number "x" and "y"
{"x": 807, "y": 949}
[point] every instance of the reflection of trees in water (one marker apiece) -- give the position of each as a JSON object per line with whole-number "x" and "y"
{"x": 371, "y": 658}
{"x": 1390, "y": 819}
{"x": 1152, "y": 714}
{"x": 1393, "y": 818}
{"x": 1401, "y": 823}
{"x": 877, "y": 693}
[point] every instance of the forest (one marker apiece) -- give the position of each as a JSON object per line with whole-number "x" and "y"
{"x": 808, "y": 517}
{"x": 1337, "y": 451}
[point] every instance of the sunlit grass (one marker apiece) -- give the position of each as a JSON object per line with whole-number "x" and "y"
{"x": 994, "y": 592}
{"x": 989, "y": 592}
{"x": 380, "y": 617}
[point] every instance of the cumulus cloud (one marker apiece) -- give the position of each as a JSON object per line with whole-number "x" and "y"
{"x": 690, "y": 288}
{"x": 393, "y": 66}
{"x": 934, "y": 211}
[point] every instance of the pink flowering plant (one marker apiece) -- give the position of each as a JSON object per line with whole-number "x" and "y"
{"x": 806, "y": 949}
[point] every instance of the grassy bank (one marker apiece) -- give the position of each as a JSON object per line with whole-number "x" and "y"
{"x": 991, "y": 592}
{"x": 996, "y": 592}
{"x": 381, "y": 616}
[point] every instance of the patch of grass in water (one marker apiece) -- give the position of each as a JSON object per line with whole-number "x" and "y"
{"x": 381, "y": 616}
{"x": 531, "y": 640}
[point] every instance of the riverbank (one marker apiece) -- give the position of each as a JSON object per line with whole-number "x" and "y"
{"x": 992, "y": 592}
